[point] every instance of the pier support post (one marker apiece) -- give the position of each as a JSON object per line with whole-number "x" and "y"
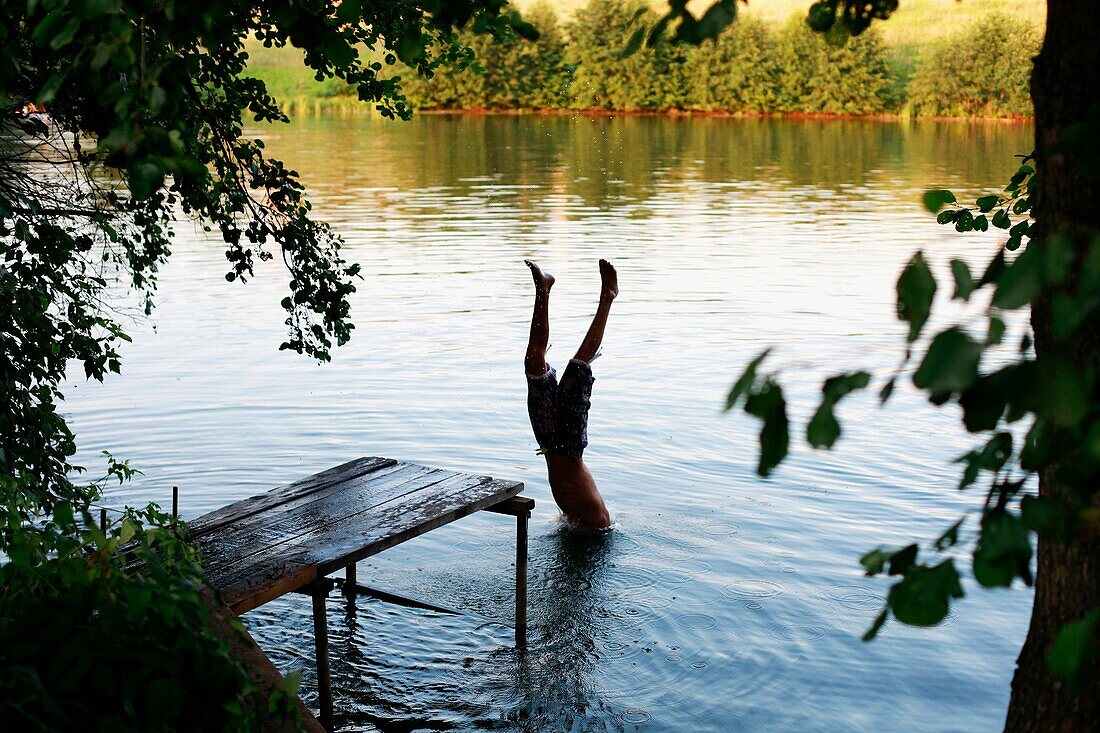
{"x": 319, "y": 590}
{"x": 519, "y": 507}
{"x": 348, "y": 588}
{"x": 521, "y": 578}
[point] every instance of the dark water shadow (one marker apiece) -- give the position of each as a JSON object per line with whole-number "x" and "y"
{"x": 556, "y": 683}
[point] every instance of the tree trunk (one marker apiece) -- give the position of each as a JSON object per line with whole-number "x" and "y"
{"x": 1065, "y": 83}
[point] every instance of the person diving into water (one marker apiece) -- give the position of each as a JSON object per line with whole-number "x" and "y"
{"x": 559, "y": 409}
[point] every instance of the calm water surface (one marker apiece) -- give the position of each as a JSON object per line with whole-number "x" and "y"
{"x": 721, "y": 602}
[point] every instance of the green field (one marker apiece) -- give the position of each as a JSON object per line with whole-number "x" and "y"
{"x": 917, "y": 26}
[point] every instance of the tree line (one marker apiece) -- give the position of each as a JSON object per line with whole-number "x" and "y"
{"x": 751, "y": 68}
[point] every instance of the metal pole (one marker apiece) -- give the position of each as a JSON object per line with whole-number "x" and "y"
{"x": 521, "y": 579}
{"x": 175, "y": 504}
{"x": 103, "y": 520}
{"x": 320, "y": 638}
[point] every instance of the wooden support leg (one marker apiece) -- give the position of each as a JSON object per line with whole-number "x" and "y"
{"x": 320, "y": 637}
{"x": 349, "y": 582}
{"x": 521, "y": 579}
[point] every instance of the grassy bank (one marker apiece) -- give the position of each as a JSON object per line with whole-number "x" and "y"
{"x": 934, "y": 57}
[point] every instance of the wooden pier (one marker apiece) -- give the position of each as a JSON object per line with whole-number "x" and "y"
{"x": 292, "y": 538}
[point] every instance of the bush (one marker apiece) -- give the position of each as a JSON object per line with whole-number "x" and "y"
{"x": 750, "y": 68}
{"x": 509, "y": 73}
{"x": 88, "y": 641}
{"x": 603, "y": 78}
{"x": 736, "y": 72}
{"x": 814, "y": 75}
{"x": 983, "y": 71}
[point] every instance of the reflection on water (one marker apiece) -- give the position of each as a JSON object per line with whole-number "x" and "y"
{"x": 720, "y": 602}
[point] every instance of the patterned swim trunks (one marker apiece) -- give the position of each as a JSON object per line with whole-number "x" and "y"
{"x": 559, "y": 410}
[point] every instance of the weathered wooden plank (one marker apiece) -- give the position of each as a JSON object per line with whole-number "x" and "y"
{"x": 256, "y": 534}
{"x": 262, "y": 502}
{"x": 387, "y": 514}
{"x": 227, "y": 533}
{"x": 265, "y": 582}
{"x": 382, "y": 477}
{"x": 386, "y": 526}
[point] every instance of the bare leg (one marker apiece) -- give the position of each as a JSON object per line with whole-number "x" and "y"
{"x": 609, "y": 288}
{"x": 535, "y": 360}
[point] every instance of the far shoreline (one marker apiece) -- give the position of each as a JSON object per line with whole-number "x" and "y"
{"x": 340, "y": 106}
{"x": 724, "y": 114}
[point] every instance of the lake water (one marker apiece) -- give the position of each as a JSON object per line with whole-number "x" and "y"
{"x": 721, "y": 601}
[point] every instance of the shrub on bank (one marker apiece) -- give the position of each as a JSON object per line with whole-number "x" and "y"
{"x": 605, "y": 78}
{"x": 735, "y": 72}
{"x": 750, "y": 68}
{"x": 508, "y": 73}
{"x": 983, "y": 71}
{"x": 813, "y": 75}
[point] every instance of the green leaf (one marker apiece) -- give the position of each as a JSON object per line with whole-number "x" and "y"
{"x": 874, "y": 562}
{"x": 993, "y": 270}
{"x": 1003, "y": 552}
{"x": 984, "y": 401}
{"x": 887, "y": 390}
{"x": 717, "y": 17}
{"x": 410, "y": 47}
{"x": 745, "y": 382}
{"x": 146, "y": 177}
{"x": 986, "y": 203}
{"x": 923, "y": 596}
{"x": 903, "y": 559}
{"x": 1074, "y": 649}
{"x": 936, "y": 199}
{"x": 964, "y": 222}
{"x": 633, "y": 43}
{"x": 916, "y": 288}
{"x": 877, "y": 625}
{"x": 964, "y": 282}
{"x": 949, "y": 366}
{"x": 1020, "y": 282}
{"x": 768, "y": 405}
{"x": 656, "y": 34}
{"x": 996, "y": 331}
{"x": 127, "y": 531}
{"x": 950, "y": 537}
{"x": 1046, "y": 518}
{"x": 63, "y": 514}
{"x": 821, "y": 16}
{"x": 525, "y": 30}
{"x": 839, "y": 35}
{"x": 824, "y": 429}
{"x": 1001, "y": 220}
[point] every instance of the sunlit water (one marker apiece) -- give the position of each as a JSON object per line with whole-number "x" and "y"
{"x": 721, "y": 602}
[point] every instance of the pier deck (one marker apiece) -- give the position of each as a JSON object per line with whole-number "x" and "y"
{"x": 291, "y": 538}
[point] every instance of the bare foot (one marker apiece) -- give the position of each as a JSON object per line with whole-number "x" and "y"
{"x": 543, "y": 280}
{"x": 609, "y": 280}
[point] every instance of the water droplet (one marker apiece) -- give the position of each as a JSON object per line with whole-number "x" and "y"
{"x": 696, "y": 621}
{"x": 752, "y": 589}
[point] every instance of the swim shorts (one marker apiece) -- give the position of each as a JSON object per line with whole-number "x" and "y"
{"x": 559, "y": 410}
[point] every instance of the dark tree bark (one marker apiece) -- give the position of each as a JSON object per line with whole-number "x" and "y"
{"x": 1065, "y": 83}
